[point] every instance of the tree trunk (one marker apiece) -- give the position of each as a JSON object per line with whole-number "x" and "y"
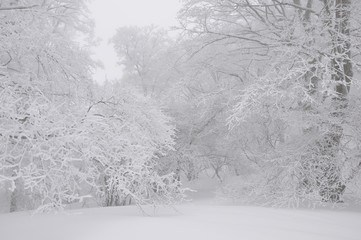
{"x": 14, "y": 197}
{"x": 13, "y": 201}
{"x": 331, "y": 186}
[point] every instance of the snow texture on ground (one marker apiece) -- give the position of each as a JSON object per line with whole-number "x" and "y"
{"x": 192, "y": 221}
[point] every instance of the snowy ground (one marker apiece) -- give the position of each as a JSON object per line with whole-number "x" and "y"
{"x": 198, "y": 220}
{"x": 193, "y": 221}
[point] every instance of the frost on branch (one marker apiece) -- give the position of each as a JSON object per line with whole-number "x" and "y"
{"x": 39, "y": 152}
{"x": 112, "y": 146}
{"x": 301, "y": 59}
{"x": 127, "y": 135}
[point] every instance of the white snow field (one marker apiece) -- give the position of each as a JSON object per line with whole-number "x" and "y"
{"x": 190, "y": 222}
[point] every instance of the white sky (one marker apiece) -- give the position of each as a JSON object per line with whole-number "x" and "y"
{"x": 111, "y": 14}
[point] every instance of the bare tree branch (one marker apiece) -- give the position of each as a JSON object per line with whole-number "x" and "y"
{"x": 18, "y": 8}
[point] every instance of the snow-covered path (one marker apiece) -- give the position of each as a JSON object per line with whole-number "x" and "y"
{"x": 192, "y": 222}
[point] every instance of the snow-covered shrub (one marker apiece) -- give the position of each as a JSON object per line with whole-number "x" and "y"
{"x": 126, "y": 136}
{"x": 301, "y": 170}
{"x": 52, "y": 151}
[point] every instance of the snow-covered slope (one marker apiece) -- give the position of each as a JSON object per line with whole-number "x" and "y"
{"x": 191, "y": 222}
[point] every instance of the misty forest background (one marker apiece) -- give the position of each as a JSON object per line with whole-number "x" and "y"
{"x": 262, "y": 96}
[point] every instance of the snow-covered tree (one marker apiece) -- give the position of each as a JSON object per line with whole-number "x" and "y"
{"x": 145, "y": 54}
{"x": 44, "y": 74}
{"x": 299, "y": 60}
{"x": 128, "y": 133}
